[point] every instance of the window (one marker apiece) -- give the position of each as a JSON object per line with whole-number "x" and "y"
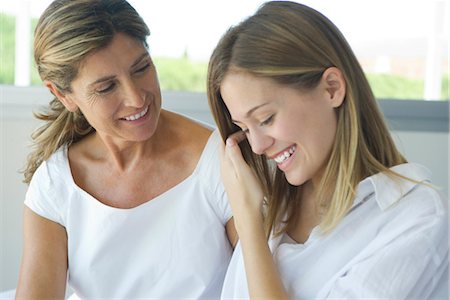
{"x": 402, "y": 45}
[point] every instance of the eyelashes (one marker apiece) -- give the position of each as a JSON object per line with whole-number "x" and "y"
{"x": 266, "y": 122}
{"x": 106, "y": 90}
{"x": 112, "y": 85}
{"x": 143, "y": 68}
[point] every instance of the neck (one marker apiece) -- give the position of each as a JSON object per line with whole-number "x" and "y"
{"x": 306, "y": 216}
{"x": 127, "y": 155}
{"x": 309, "y": 200}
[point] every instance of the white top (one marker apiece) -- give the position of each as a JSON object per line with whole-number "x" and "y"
{"x": 393, "y": 244}
{"x": 172, "y": 247}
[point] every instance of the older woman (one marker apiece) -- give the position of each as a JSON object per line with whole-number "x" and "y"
{"x": 125, "y": 198}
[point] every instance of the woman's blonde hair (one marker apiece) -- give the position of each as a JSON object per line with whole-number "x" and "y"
{"x": 293, "y": 45}
{"x": 66, "y": 33}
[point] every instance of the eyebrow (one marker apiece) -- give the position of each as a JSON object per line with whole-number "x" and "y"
{"x": 109, "y": 77}
{"x": 251, "y": 111}
{"x": 139, "y": 59}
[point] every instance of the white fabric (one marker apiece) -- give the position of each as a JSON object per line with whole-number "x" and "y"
{"x": 171, "y": 247}
{"x": 393, "y": 244}
{"x": 8, "y": 295}
{"x": 11, "y": 294}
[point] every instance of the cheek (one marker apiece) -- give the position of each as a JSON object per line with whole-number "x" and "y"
{"x": 150, "y": 81}
{"x": 287, "y": 133}
{"x": 315, "y": 132}
{"x": 98, "y": 112}
{"x": 325, "y": 134}
{"x": 150, "y": 85}
{"x": 289, "y": 129}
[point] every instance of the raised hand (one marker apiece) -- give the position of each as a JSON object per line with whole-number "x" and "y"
{"x": 241, "y": 184}
{"x": 246, "y": 197}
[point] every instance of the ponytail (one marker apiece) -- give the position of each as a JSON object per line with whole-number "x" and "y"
{"x": 61, "y": 127}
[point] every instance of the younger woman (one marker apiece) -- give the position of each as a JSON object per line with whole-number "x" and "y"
{"x": 348, "y": 216}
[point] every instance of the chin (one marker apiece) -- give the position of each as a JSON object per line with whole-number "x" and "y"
{"x": 294, "y": 180}
{"x": 143, "y": 135}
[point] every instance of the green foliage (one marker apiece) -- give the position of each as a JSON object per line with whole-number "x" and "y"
{"x": 445, "y": 91}
{"x": 389, "y": 86}
{"x": 395, "y": 87}
{"x": 7, "y": 38}
{"x": 182, "y": 74}
{"x": 7, "y": 51}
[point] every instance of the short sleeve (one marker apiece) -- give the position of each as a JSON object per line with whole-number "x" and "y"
{"x": 41, "y": 196}
{"x": 211, "y": 178}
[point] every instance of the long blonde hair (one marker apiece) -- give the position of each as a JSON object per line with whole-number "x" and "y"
{"x": 293, "y": 45}
{"x": 66, "y": 33}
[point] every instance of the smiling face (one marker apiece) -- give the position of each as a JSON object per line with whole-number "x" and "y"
{"x": 293, "y": 127}
{"x": 117, "y": 90}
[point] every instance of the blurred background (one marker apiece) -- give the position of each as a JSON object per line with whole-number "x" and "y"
{"x": 402, "y": 44}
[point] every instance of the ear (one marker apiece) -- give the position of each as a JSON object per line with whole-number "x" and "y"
{"x": 65, "y": 100}
{"x": 335, "y": 86}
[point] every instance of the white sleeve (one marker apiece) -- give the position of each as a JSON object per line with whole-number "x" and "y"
{"x": 41, "y": 196}
{"x": 213, "y": 180}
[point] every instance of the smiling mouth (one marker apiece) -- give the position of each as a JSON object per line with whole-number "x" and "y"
{"x": 284, "y": 155}
{"x": 137, "y": 116}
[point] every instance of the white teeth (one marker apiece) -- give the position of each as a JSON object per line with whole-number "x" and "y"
{"x": 137, "y": 116}
{"x": 285, "y": 155}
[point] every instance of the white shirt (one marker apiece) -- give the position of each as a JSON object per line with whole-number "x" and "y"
{"x": 393, "y": 244}
{"x": 172, "y": 247}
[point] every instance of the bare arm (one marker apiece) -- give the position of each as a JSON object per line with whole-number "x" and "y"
{"x": 246, "y": 196}
{"x": 43, "y": 271}
{"x": 232, "y": 233}
{"x": 263, "y": 278}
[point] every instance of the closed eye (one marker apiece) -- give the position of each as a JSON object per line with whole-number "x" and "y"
{"x": 142, "y": 69}
{"x": 267, "y": 121}
{"x": 107, "y": 89}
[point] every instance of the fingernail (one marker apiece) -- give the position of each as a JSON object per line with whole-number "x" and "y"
{"x": 231, "y": 142}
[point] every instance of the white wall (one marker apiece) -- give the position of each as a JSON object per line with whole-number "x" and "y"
{"x": 430, "y": 149}
{"x": 17, "y": 123}
{"x": 14, "y": 136}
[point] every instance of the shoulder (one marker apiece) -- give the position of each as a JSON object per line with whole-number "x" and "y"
{"x": 209, "y": 176}
{"x": 53, "y": 168}
{"x": 410, "y": 183}
{"x": 411, "y": 203}
{"x": 402, "y": 213}
{"x": 49, "y": 183}
{"x": 190, "y": 133}
{"x": 210, "y": 154}
{"x": 188, "y": 122}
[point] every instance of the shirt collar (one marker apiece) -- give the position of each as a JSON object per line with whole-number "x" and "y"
{"x": 387, "y": 189}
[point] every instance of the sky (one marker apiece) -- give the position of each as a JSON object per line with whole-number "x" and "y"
{"x": 195, "y": 26}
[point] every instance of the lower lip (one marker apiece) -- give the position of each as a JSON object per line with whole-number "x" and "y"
{"x": 285, "y": 164}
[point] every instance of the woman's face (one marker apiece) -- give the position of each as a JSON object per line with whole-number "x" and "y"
{"x": 294, "y": 128}
{"x": 117, "y": 90}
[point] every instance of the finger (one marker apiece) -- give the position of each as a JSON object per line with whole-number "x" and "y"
{"x": 236, "y": 138}
{"x": 233, "y": 152}
{"x": 226, "y": 164}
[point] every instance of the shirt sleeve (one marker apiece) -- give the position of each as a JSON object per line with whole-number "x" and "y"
{"x": 41, "y": 195}
{"x": 213, "y": 181}
{"x": 410, "y": 266}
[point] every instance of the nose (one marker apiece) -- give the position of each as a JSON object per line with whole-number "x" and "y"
{"x": 134, "y": 96}
{"x": 259, "y": 141}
